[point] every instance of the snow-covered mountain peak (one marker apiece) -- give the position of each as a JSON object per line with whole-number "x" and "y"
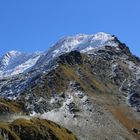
{"x": 82, "y": 37}
{"x": 82, "y": 43}
{"x": 15, "y": 62}
{"x": 5, "y": 60}
{"x": 13, "y": 52}
{"x": 103, "y": 36}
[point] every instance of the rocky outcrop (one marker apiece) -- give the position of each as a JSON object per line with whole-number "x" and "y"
{"x": 71, "y": 58}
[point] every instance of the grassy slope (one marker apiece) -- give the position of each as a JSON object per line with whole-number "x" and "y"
{"x": 34, "y": 129}
{"x": 9, "y": 106}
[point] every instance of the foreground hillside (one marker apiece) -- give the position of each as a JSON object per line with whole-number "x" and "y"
{"x": 34, "y": 129}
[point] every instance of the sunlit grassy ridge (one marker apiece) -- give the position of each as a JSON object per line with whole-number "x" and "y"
{"x": 9, "y": 106}
{"x": 34, "y": 129}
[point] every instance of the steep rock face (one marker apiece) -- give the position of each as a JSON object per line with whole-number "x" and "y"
{"x": 34, "y": 129}
{"x": 72, "y": 58}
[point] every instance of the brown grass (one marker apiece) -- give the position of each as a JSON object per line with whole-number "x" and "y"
{"x": 127, "y": 122}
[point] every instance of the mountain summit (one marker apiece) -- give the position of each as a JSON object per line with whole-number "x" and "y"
{"x": 82, "y": 43}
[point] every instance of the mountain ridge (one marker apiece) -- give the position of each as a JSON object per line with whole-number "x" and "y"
{"x": 15, "y": 62}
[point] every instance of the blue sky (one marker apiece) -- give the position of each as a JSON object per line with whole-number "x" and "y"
{"x": 31, "y": 25}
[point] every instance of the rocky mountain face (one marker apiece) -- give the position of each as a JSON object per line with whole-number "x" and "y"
{"x": 87, "y": 83}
